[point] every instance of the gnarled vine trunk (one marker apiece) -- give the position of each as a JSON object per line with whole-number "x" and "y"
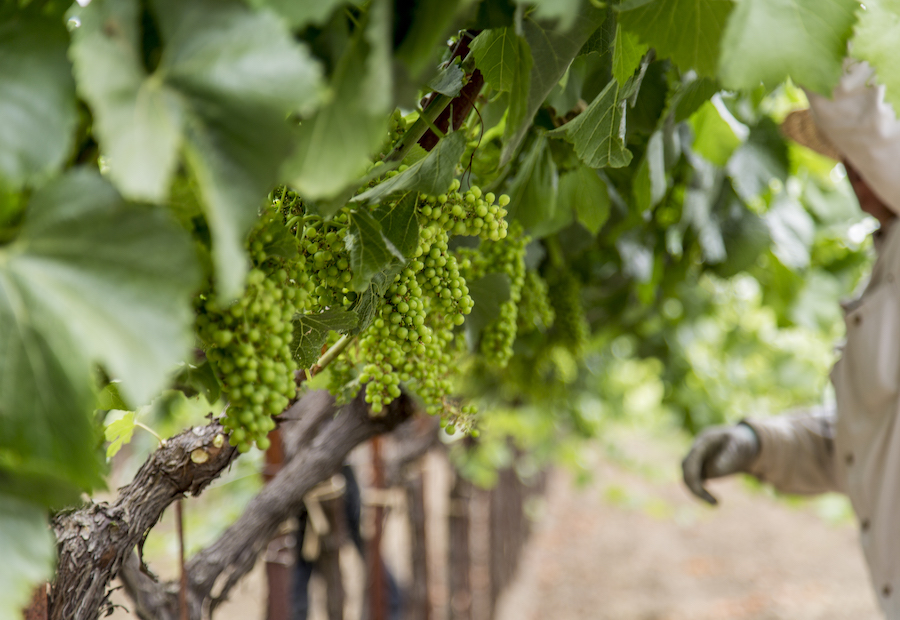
{"x": 96, "y": 542}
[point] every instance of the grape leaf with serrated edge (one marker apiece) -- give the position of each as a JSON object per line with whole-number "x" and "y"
{"x": 311, "y": 331}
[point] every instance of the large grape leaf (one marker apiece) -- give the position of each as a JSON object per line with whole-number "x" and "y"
{"x": 585, "y": 193}
{"x": 714, "y": 138}
{"x": 875, "y": 40}
{"x": 499, "y": 54}
{"x": 37, "y": 98}
{"x": 760, "y": 160}
{"x": 28, "y": 550}
{"x": 564, "y": 12}
{"x": 335, "y": 145}
{"x": 697, "y": 209}
{"x": 769, "y": 40}
{"x": 598, "y": 133}
{"x": 687, "y": 31}
{"x": 746, "y": 237}
{"x": 428, "y": 24}
{"x": 552, "y": 52}
{"x": 689, "y": 97}
{"x": 650, "y": 183}
{"x": 299, "y": 14}
{"x": 88, "y": 280}
{"x": 430, "y": 175}
{"x": 226, "y": 80}
{"x": 793, "y": 231}
{"x": 627, "y": 53}
{"x": 533, "y": 191}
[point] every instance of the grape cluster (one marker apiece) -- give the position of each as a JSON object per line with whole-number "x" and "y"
{"x": 301, "y": 264}
{"x": 437, "y": 272}
{"x": 570, "y": 327}
{"x": 249, "y": 346}
{"x": 535, "y": 309}
{"x": 471, "y": 213}
{"x": 411, "y": 338}
{"x": 323, "y": 266}
{"x": 506, "y": 257}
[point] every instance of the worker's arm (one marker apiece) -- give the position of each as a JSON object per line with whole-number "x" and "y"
{"x": 795, "y": 453}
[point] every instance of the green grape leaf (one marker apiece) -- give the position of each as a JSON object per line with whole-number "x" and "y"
{"x": 769, "y": 40}
{"x": 28, "y": 549}
{"x": 449, "y": 81}
{"x": 564, "y": 12}
{"x": 138, "y": 122}
{"x": 199, "y": 379}
{"x": 493, "y": 14}
{"x": 377, "y": 89}
{"x": 687, "y": 31}
{"x": 70, "y": 284}
{"x": 598, "y": 133}
{"x": 714, "y": 138}
{"x": 500, "y": 55}
{"x": 760, "y": 160}
{"x": 691, "y": 96}
{"x": 746, "y": 237}
{"x": 370, "y": 300}
{"x": 334, "y": 146}
{"x": 650, "y": 184}
{"x": 370, "y": 251}
{"x": 431, "y": 175}
{"x": 221, "y": 94}
{"x": 519, "y": 96}
{"x": 793, "y": 231}
{"x": 585, "y": 193}
{"x": 431, "y": 24}
{"x": 119, "y": 433}
{"x": 533, "y": 191}
{"x": 875, "y": 40}
{"x": 488, "y": 294}
{"x": 283, "y": 243}
{"x": 311, "y": 331}
{"x": 697, "y": 210}
{"x": 109, "y": 398}
{"x": 601, "y": 42}
{"x": 299, "y": 14}
{"x": 399, "y": 224}
{"x": 552, "y": 52}
{"x": 627, "y": 54}
{"x": 37, "y": 100}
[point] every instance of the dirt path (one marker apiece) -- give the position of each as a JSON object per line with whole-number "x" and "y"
{"x": 634, "y": 546}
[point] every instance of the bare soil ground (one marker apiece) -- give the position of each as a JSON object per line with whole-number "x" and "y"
{"x": 633, "y": 545}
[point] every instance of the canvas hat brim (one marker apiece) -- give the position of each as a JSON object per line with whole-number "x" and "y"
{"x": 800, "y": 127}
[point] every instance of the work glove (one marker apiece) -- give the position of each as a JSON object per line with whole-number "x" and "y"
{"x": 716, "y": 452}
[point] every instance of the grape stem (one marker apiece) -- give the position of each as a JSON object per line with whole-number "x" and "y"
{"x": 151, "y": 431}
{"x": 329, "y": 356}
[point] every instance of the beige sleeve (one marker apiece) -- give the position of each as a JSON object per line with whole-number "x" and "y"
{"x": 797, "y": 452}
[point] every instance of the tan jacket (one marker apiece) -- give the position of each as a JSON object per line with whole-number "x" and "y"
{"x": 855, "y": 449}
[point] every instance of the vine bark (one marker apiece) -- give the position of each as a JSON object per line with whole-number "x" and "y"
{"x": 97, "y": 542}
